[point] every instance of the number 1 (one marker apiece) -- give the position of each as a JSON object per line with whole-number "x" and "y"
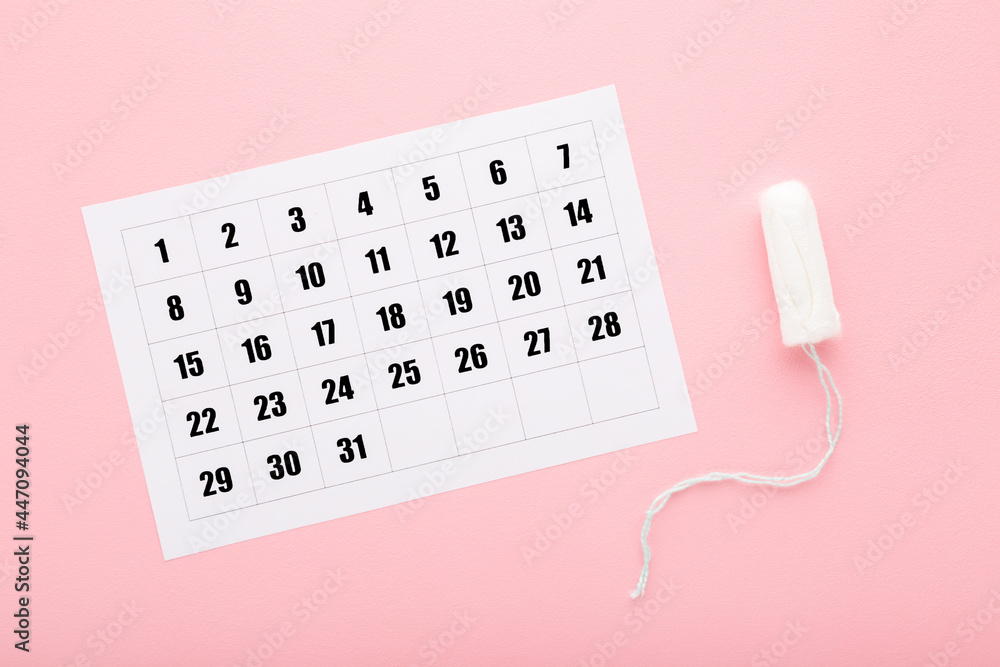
{"x": 162, "y": 245}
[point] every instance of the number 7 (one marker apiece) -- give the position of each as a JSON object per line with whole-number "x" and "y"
{"x": 565, "y": 151}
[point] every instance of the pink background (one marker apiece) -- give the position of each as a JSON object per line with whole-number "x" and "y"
{"x": 449, "y": 583}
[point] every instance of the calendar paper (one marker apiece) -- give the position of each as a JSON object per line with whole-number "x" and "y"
{"x": 363, "y": 327}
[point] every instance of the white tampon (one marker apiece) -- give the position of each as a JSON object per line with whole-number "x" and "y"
{"x": 798, "y": 265}
{"x": 805, "y": 303}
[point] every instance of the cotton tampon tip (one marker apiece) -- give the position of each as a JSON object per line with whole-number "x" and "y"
{"x": 797, "y": 261}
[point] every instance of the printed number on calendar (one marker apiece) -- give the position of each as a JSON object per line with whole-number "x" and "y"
{"x": 587, "y": 265}
{"x": 538, "y": 341}
{"x": 579, "y": 212}
{"x": 474, "y": 355}
{"x": 610, "y": 325}
{"x": 289, "y": 463}
{"x": 243, "y": 293}
{"x": 208, "y": 414}
{"x": 276, "y": 401}
{"x": 311, "y": 276}
{"x": 229, "y": 229}
{"x": 257, "y": 348}
{"x": 299, "y": 222}
{"x": 459, "y": 300}
{"x": 324, "y": 332}
{"x": 223, "y": 481}
{"x": 190, "y": 364}
{"x": 349, "y": 446}
{"x": 364, "y": 203}
{"x": 338, "y": 389}
{"x": 444, "y": 244}
{"x": 408, "y": 371}
{"x": 392, "y": 317}
{"x": 525, "y": 286}
{"x": 512, "y": 228}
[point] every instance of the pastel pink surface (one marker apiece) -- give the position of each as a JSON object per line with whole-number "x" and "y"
{"x": 453, "y": 579}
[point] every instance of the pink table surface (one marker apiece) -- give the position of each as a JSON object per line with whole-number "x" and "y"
{"x": 886, "y": 110}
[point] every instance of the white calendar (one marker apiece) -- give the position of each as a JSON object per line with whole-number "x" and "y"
{"x": 364, "y": 327}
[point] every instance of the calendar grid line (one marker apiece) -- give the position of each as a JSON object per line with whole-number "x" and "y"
{"x": 142, "y": 321}
{"x": 635, "y": 307}
{"x": 177, "y": 469}
{"x": 329, "y": 206}
{"x": 441, "y": 460}
{"x": 656, "y": 395}
{"x": 503, "y": 141}
{"x": 614, "y": 217}
{"x": 598, "y": 144}
{"x": 586, "y": 395}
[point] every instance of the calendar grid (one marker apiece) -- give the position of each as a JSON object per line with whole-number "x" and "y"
{"x": 292, "y": 347}
{"x": 329, "y": 241}
{"x": 337, "y": 238}
{"x": 215, "y": 328}
{"x": 323, "y": 363}
{"x": 145, "y": 336}
{"x": 403, "y": 223}
{"x": 509, "y": 377}
{"x": 364, "y": 355}
{"x": 413, "y": 282}
{"x": 367, "y": 173}
{"x": 552, "y": 251}
{"x": 418, "y": 465}
{"x": 416, "y": 282}
{"x": 562, "y": 292}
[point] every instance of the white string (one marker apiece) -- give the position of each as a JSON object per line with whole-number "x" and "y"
{"x": 745, "y": 477}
